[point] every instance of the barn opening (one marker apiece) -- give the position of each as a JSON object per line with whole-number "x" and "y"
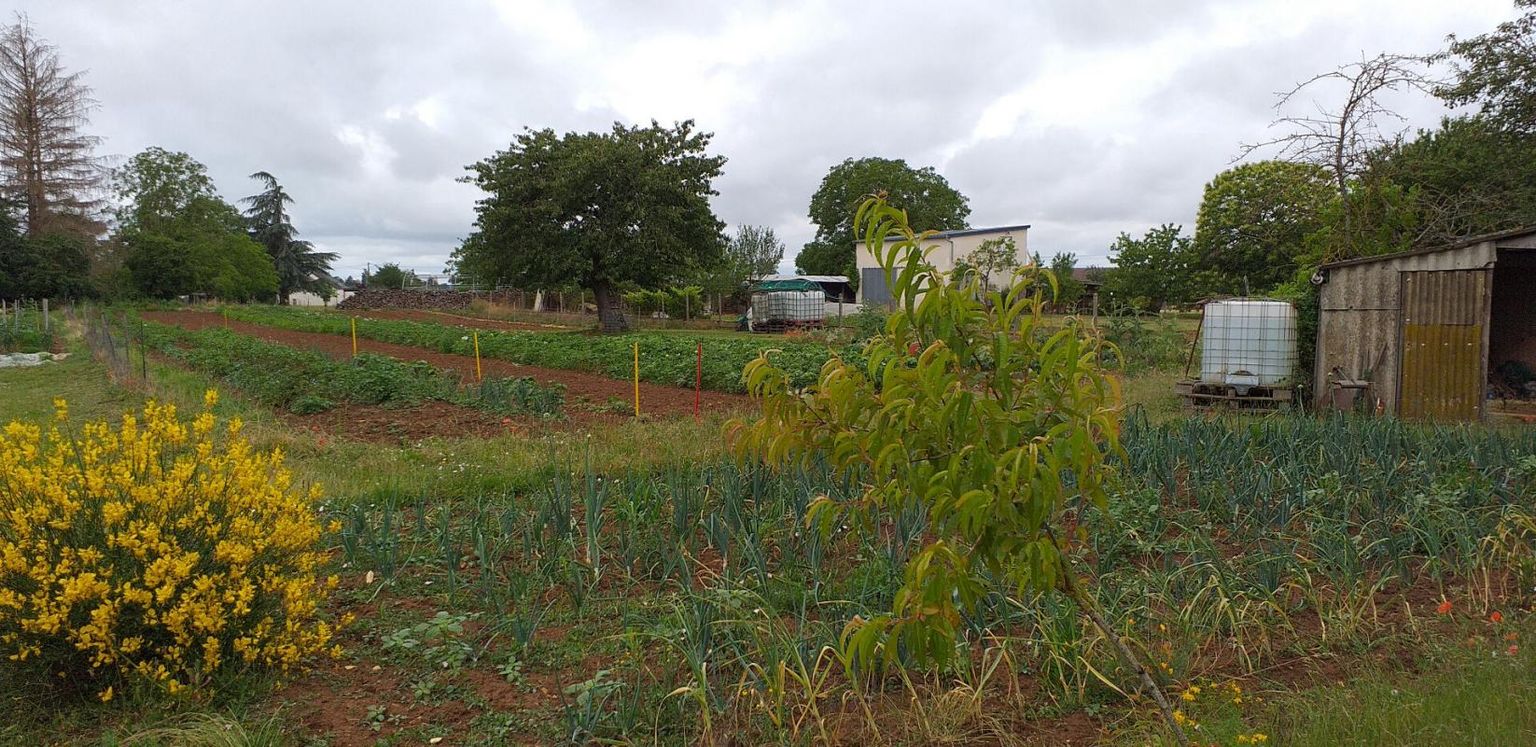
{"x": 1512, "y": 331}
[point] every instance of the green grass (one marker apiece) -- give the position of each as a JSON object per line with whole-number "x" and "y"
{"x": 28, "y": 393}
{"x": 1483, "y": 701}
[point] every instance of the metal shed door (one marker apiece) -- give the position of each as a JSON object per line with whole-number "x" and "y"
{"x": 1443, "y": 319}
{"x": 872, "y": 286}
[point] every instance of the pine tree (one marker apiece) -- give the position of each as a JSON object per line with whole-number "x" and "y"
{"x": 47, "y": 164}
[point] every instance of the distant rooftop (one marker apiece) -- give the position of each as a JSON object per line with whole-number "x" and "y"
{"x": 970, "y": 232}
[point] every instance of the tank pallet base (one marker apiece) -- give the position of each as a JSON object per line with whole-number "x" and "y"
{"x": 784, "y": 325}
{"x": 1206, "y": 394}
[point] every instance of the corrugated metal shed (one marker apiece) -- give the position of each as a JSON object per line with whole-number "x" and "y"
{"x": 1446, "y": 294}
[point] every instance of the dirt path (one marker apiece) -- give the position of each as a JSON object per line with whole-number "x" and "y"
{"x": 582, "y": 390}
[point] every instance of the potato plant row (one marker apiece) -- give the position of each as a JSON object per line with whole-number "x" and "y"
{"x": 665, "y": 358}
{"x": 305, "y": 382}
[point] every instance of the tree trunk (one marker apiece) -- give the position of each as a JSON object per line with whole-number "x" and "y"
{"x": 1128, "y": 658}
{"x": 610, "y": 315}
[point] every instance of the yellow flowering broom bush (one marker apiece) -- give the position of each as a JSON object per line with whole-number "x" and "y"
{"x": 160, "y": 552}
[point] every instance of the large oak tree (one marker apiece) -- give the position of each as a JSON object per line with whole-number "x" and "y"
{"x": 930, "y": 202}
{"x": 595, "y": 209}
{"x": 1256, "y": 220}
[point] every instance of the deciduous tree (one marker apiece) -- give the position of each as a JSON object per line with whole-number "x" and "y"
{"x": 931, "y": 204}
{"x": 597, "y": 209}
{"x": 390, "y": 275}
{"x": 994, "y": 260}
{"x": 1255, "y": 221}
{"x": 969, "y": 413}
{"x": 181, "y": 237}
{"x": 1157, "y": 269}
{"x": 1497, "y": 71}
{"x": 754, "y": 251}
{"x": 1340, "y": 136}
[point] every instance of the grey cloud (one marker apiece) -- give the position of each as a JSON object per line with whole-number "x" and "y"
{"x": 368, "y": 112}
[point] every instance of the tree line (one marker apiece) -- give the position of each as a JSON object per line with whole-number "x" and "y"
{"x": 1338, "y": 186}
{"x": 164, "y": 233}
{"x": 629, "y": 209}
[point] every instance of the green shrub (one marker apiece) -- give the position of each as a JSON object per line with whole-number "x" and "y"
{"x": 310, "y": 404}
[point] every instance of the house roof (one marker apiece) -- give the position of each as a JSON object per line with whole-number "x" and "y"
{"x": 967, "y": 232}
{"x": 1464, "y": 243}
{"x": 1085, "y": 275}
{"x": 812, "y": 278}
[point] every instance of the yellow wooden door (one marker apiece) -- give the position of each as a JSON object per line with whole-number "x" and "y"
{"x": 1442, "y": 363}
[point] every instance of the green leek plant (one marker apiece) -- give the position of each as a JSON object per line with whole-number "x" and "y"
{"x": 968, "y": 408}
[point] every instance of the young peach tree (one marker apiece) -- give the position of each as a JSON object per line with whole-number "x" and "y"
{"x": 971, "y": 407}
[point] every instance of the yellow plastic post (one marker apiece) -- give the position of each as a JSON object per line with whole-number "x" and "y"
{"x": 476, "y": 333}
{"x": 637, "y": 379}
{"x": 354, "y": 337}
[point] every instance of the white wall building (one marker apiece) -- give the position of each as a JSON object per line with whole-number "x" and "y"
{"x": 944, "y": 249}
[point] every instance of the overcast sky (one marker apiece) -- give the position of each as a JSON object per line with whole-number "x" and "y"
{"x": 1084, "y": 118}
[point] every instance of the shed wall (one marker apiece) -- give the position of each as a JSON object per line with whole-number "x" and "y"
{"x": 1360, "y": 313}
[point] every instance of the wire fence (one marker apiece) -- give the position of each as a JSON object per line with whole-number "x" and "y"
{"x": 26, "y": 326}
{"x": 114, "y": 339}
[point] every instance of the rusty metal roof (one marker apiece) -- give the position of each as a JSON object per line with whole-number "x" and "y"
{"x": 1464, "y": 243}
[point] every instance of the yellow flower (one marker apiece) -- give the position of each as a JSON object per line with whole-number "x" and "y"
{"x": 151, "y": 551}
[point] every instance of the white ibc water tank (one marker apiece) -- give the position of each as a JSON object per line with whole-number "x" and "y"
{"x": 1247, "y": 343}
{"x": 788, "y": 306}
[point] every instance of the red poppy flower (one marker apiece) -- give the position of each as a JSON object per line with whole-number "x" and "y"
{"x": 1444, "y": 608}
{"x": 1495, "y": 617}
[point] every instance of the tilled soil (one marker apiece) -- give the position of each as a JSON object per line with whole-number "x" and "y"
{"x": 583, "y": 391}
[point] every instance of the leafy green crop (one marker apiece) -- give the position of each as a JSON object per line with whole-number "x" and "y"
{"x": 305, "y": 382}
{"x": 668, "y": 359}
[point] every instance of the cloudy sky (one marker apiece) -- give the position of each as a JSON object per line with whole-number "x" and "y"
{"x": 1084, "y": 118}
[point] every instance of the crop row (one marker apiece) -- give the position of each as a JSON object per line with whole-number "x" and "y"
{"x": 669, "y": 359}
{"x": 306, "y": 382}
{"x": 1218, "y": 537}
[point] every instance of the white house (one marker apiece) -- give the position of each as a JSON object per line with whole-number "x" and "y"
{"x": 307, "y": 298}
{"x": 944, "y": 249}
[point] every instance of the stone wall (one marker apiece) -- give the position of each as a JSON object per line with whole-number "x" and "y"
{"x": 437, "y": 300}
